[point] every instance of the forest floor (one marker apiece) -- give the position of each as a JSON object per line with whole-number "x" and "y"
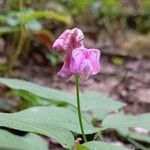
{"x": 123, "y": 76}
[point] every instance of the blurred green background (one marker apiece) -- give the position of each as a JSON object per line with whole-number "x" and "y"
{"x": 26, "y": 25}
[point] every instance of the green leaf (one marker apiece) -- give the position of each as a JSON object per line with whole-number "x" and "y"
{"x": 38, "y": 121}
{"x": 44, "y": 92}
{"x": 26, "y": 96}
{"x": 28, "y": 142}
{"x": 124, "y": 121}
{"x": 54, "y": 122}
{"x": 81, "y": 147}
{"x": 29, "y": 99}
{"x": 124, "y": 124}
{"x": 55, "y": 116}
{"x": 99, "y": 105}
{"x": 94, "y": 145}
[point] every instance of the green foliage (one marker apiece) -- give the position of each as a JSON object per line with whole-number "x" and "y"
{"x": 44, "y": 92}
{"x": 124, "y": 121}
{"x": 111, "y": 7}
{"x": 98, "y": 105}
{"x": 145, "y": 6}
{"x": 125, "y": 125}
{"x": 27, "y": 142}
{"x": 13, "y": 18}
{"x": 115, "y": 15}
{"x": 46, "y": 14}
{"x": 57, "y": 122}
{"x": 53, "y": 122}
{"x": 77, "y": 6}
{"x": 28, "y": 99}
{"x": 81, "y": 147}
{"x": 24, "y": 22}
{"x": 95, "y": 145}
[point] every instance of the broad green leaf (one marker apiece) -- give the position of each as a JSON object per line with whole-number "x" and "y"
{"x": 54, "y": 122}
{"x": 125, "y": 121}
{"x": 41, "y": 121}
{"x": 95, "y": 145}
{"x": 97, "y": 104}
{"x": 44, "y": 92}
{"x": 123, "y": 124}
{"x": 29, "y": 99}
{"x": 9, "y": 141}
{"x": 55, "y": 116}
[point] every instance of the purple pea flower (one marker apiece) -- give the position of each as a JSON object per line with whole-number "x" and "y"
{"x": 77, "y": 59}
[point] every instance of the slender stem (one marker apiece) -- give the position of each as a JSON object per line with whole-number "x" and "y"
{"x": 21, "y": 41}
{"x": 79, "y": 109}
{"x": 99, "y": 134}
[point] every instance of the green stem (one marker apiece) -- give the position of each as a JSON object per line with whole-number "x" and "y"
{"x": 79, "y": 109}
{"x": 99, "y": 134}
{"x": 22, "y": 38}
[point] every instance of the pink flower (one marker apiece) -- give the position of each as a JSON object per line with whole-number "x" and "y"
{"x": 85, "y": 62}
{"x": 78, "y": 60}
{"x": 65, "y": 72}
{"x": 69, "y": 40}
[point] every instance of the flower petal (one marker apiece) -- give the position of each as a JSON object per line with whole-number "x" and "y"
{"x": 65, "y": 72}
{"x": 69, "y": 40}
{"x": 85, "y": 62}
{"x": 94, "y": 57}
{"x": 58, "y": 44}
{"x": 76, "y": 61}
